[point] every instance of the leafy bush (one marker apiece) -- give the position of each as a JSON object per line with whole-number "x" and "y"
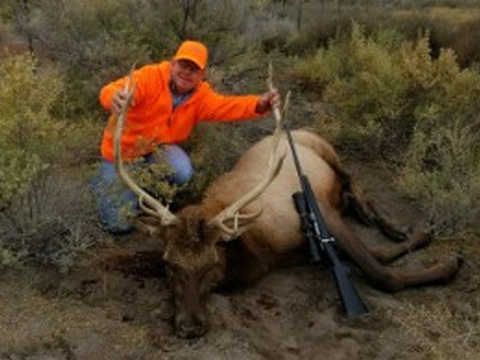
{"x": 389, "y": 97}
{"x": 90, "y": 41}
{"x": 442, "y": 165}
{"x": 361, "y": 78}
{"x": 26, "y": 97}
{"x": 392, "y": 98}
{"x": 44, "y": 211}
{"x": 94, "y": 42}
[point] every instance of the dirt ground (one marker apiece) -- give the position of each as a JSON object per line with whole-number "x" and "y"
{"x": 116, "y": 306}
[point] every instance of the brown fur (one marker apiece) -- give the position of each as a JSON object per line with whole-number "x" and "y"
{"x": 198, "y": 258}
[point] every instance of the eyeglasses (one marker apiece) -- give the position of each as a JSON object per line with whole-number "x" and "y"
{"x": 186, "y": 65}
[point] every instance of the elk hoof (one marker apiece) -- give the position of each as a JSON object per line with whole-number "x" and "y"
{"x": 459, "y": 261}
{"x": 449, "y": 268}
{"x": 419, "y": 239}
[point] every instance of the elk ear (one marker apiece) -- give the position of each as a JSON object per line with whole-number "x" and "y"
{"x": 152, "y": 227}
{"x": 147, "y": 225}
{"x": 170, "y": 231}
{"x": 209, "y": 234}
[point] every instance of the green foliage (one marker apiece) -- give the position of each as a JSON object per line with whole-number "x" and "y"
{"x": 94, "y": 42}
{"x": 43, "y": 205}
{"x": 362, "y": 79}
{"x": 442, "y": 165}
{"x": 6, "y": 9}
{"x": 91, "y": 41}
{"x": 320, "y": 69}
{"x": 153, "y": 177}
{"x": 26, "y": 126}
{"x": 406, "y": 101}
{"x": 392, "y": 99}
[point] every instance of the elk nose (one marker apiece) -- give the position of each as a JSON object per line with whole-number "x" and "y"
{"x": 191, "y": 328}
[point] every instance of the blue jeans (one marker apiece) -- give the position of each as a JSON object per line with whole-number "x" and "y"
{"x": 116, "y": 203}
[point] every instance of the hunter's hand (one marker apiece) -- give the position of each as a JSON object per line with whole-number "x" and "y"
{"x": 268, "y": 101}
{"x": 118, "y": 101}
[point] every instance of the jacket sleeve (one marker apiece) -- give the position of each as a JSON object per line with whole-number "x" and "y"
{"x": 107, "y": 92}
{"x": 217, "y": 107}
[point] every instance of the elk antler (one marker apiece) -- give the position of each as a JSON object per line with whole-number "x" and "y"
{"x": 146, "y": 202}
{"x": 232, "y": 213}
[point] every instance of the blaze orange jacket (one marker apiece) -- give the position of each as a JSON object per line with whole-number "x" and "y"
{"x": 151, "y": 120}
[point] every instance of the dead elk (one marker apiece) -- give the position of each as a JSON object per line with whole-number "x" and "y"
{"x": 258, "y": 231}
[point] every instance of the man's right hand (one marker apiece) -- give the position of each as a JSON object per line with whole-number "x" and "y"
{"x": 118, "y": 101}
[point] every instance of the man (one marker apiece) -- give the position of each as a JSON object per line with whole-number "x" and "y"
{"x": 170, "y": 98}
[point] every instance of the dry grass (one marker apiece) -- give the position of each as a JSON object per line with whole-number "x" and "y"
{"x": 453, "y": 16}
{"x": 53, "y": 224}
{"x": 442, "y": 331}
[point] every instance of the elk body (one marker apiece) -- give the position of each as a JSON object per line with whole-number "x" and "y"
{"x": 224, "y": 239}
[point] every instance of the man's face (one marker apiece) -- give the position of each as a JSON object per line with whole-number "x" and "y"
{"x": 186, "y": 75}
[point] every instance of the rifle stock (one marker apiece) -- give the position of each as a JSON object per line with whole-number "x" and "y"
{"x": 352, "y": 303}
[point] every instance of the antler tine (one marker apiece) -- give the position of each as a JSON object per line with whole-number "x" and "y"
{"x": 231, "y": 212}
{"x": 274, "y": 165}
{"x": 147, "y": 202}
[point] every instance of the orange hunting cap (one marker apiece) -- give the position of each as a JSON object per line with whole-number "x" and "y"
{"x": 194, "y": 51}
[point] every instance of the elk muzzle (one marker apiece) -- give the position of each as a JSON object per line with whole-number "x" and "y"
{"x": 191, "y": 314}
{"x": 191, "y": 325}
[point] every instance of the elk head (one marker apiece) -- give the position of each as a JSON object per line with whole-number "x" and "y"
{"x": 192, "y": 239}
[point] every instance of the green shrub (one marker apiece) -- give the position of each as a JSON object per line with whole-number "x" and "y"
{"x": 442, "y": 164}
{"x": 26, "y": 127}
{"x": 94, "y": 42}
{"x": 90, "y": 42}
{"x": 45, "y": 209}
{"x": 393, "y": 100}
{"x": 361, "y": 79}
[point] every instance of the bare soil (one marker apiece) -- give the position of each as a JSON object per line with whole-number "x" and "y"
{"x": 116, "y": 305}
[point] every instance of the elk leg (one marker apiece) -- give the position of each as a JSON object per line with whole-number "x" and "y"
{"x": 386, "y": 254}
{"x": 365, "y": 211}
{"x": 383, "y": 277}
{"x": 352, "y": 195}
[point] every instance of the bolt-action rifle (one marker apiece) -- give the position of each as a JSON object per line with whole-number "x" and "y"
{"x": 321, "y": 242}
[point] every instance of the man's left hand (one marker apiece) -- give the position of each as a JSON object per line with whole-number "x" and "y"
{"x": 268, "y": 101}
